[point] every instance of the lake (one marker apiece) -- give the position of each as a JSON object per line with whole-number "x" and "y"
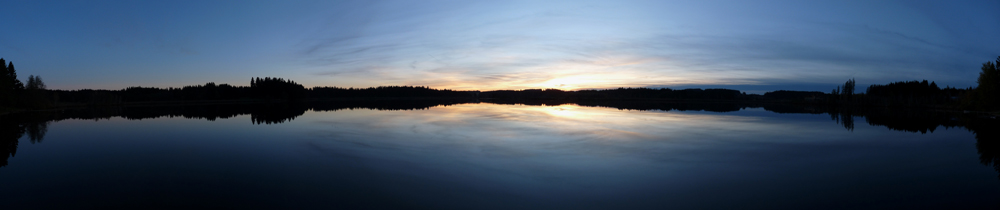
{"x": 460, "y": 155}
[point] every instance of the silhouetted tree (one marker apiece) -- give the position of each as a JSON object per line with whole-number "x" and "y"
{"x": 12, "y": 75}
{"x": 278, "y": 88}
{"x": 34, "y": 83}
{"x": 10, "y": 86}
{"x": 34, "y": 95}
{"x": 911, "y": 93}
{"x": 847, "y": 92}
{"x": 6, "y": 85}
{"x": 986, "y": 94}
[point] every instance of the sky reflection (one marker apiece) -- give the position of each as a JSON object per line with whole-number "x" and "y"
{"x": 501, "y": 157}
{"x": 542, "y": 152}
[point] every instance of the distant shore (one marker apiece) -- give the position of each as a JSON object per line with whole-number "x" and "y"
{"x": 536, "y": 101}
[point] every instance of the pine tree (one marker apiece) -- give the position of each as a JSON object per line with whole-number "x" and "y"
{"x": 989, "y": 86}
{"x": 39, "y": 84}
{"x": 10, "y": 87}
{"x": 35, "y": 83}
{"x": 4, "y": 79}
{"x": 12, "y": 75}
{"x": 848, "y": 88}
{"x": 6, "y": 87}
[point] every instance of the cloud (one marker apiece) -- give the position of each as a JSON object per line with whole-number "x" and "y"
{"x": 506, "y": 44}
{"x": 570, "y": 49}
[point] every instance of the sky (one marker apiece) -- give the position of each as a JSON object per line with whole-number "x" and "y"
{"x": 753, "y": 46}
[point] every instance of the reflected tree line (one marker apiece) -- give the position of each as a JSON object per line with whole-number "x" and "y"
{"x": 34, "y": 124}
{"x": 14, "y": 127}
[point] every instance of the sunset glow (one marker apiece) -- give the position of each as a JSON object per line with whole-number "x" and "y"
{"x": 499, "y": 104}
{"x": 501, "y": 45}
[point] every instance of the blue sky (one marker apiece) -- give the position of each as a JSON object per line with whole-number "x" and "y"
{"x": 748, "y": 45}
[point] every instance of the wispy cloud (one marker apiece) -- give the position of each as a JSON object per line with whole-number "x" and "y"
{"x": 508, "y": 44}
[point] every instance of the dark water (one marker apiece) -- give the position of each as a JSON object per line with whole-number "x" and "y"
{"x": 455, "y": 155}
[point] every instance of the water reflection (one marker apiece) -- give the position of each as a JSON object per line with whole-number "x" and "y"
{"x": 573, "y": 150}
{"x": 12, "y": 130}
{"x": 596, "y": 122}
{"x": 658, "y": 153}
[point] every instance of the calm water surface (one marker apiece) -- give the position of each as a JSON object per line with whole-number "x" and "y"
{"x": 490, "y": 156}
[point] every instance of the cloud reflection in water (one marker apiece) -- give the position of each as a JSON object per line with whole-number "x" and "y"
{"x": 606, "y": 155}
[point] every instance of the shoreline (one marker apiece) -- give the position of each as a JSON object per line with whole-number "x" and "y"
{"x": 546, "y": 102}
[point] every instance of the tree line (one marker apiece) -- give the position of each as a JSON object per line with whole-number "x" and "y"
{"x": 924, "y": 94}
{"x": 268, "y": 89}
{"x": 14, "y": 94}
{"x": 619, "y": 93}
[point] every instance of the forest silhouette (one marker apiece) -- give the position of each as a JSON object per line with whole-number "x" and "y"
{"x": 899, "y": 106}
{"x": 15, "y": 95}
